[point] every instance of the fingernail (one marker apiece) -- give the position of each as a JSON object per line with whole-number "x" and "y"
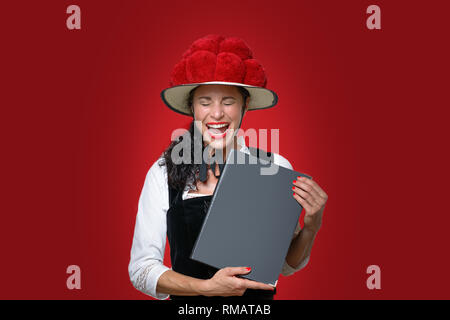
{"x": 294, "y": 194}
{"x": 248, "y": 268}
{"x": 293, "y": 188}
{"x": 299, "y": 178}
{"x": 294, "y": 181}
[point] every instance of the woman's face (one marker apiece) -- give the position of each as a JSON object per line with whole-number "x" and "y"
{"x": 218, "y": 109}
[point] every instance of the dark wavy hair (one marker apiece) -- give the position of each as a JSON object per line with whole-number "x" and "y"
{"x": 179, "y": 174}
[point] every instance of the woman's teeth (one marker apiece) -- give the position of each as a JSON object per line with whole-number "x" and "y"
{"x": 217, "y": 126}
{"x": 217, "y": 130}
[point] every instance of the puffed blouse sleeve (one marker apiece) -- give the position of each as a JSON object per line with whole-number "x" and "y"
{"x": 149, "y": 240}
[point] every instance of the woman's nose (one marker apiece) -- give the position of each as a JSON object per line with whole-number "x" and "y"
{"x": 217, "y": 110}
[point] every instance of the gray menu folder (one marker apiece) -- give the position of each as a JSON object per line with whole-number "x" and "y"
{"x": 251, "y": 219}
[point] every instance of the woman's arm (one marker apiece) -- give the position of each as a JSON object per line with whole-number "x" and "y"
{"x": 171, "y": 282}
{"x": 224, "y": 283}
{"x": 300, "y": 247}
{"x": 149, "y": 240}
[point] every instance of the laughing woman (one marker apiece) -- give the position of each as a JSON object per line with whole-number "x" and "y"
{"x": 216, "y": 83}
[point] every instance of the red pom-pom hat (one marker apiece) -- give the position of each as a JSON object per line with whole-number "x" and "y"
{"x": 215, "y": 59}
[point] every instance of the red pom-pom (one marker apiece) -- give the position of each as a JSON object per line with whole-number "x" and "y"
{"x": 178, "y": 75}
{"x": 254, "y": 74}
{"x": 215, "y": 58}
{"x": 229, "y": 68}
{"x": 209, "y": 43}
{"x": 236, "y": 46}
{"x": 186, "y": 54}
{"x": 200, "y": 67}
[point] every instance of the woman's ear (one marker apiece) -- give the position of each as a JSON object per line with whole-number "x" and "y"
{"x": 247, "y": 100}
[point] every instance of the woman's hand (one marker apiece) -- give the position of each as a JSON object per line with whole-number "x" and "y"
{"x": 225, "y": 283}
{"x": 313, "y": 199}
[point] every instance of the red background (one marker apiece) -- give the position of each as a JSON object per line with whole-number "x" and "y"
{"x": 364, "y": 112}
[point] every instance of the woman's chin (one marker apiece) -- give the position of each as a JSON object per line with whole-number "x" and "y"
{"x": 218, "y": 142}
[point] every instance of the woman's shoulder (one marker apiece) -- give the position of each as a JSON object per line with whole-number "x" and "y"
{"x": 281, "y": 161}
{"x": 158, "y": 171}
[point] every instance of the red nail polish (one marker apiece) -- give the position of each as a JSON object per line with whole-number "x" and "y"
{"x": 294, "y": 194}
{"x": 248, "y": 269}
{"x": 294, "y": 181}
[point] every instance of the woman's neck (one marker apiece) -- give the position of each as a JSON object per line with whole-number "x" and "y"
{"x": 226, "y": 150}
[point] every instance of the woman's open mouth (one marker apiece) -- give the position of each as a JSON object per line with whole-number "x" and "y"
{"x": 217, "y": 130}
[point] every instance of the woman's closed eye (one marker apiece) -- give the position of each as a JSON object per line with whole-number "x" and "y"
{"x": 225, "y": 104}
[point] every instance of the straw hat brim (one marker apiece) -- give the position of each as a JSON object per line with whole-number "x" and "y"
{"x": 176, "y": 97}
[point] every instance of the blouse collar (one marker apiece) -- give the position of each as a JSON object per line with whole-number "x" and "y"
{"x": 243, "y": 146}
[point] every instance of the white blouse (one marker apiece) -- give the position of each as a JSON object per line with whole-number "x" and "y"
{"x": 149, "y": 241}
